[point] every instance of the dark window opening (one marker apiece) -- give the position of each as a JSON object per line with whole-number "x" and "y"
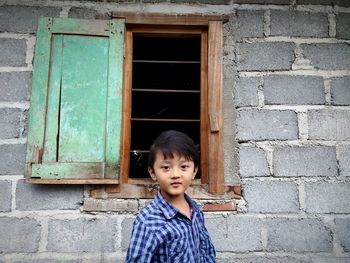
{"x": 165, "y": 93}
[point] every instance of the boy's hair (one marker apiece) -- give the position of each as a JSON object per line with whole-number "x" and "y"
{"x": 170, "y": 142}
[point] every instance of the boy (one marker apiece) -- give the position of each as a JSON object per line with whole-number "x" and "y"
{"x": 171, "y": 227}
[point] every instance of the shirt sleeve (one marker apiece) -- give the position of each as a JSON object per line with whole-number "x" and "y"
{"x": 210, "y": 254}
{"x": 143, "y": 244}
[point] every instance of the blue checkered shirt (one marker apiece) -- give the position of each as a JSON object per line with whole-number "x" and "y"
{"x": 162, "y": 234}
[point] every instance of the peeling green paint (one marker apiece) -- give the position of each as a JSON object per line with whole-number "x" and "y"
{"x": 84, "y": 99}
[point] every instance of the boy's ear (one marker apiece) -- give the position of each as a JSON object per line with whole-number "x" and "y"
{"x": 195, "y": 172}
{"x": 152, "y": 174}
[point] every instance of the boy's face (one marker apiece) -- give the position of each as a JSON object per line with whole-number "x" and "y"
{"x": 174, "y": 175}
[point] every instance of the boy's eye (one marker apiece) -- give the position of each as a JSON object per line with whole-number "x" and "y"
{"x": 185, "y": 166}
{"x": 164, "y": 167}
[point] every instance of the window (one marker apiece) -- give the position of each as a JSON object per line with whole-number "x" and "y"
{"x": 93, "y": 116}
{"x": 165, "y": 90}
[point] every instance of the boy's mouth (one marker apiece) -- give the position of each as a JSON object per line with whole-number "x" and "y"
{"x": 175, "y": 183}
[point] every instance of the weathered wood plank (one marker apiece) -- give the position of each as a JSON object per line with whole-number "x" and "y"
{"x": 37, "y": 111}
{"x": 204, "y": 109}
{"x": 51, "y": 131}
{"x": 149, "y": 191}
{"x": 215, "y": 93}
{"x": 80, "y": 80}
{"x": 68, "y": 170}
{"x": 80, "y": 26}
{"x": 126, "y": 132}
{"x": 83, "y": 99}
{"x": 114, "y": 98}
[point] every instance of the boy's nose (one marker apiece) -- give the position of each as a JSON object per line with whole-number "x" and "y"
{"x": 175, "y": 174}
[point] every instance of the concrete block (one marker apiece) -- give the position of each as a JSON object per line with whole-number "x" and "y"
{"x": 231, "y": 31}
{"x": 12, "y": 158}
{"x": 252, "y": 162}
{"x": 271, "y": 196}
{"x": 246, "y": 92}
{"x": 262, "y": 259}
{"x": 266, "y": 125}
{"x": 102, "y": 257}
{"x": 127, "y": 225}
{"x": 22, "y": 235}
{"x": 86, "y": 13}
{"x": 342, "y": 230}
{"x": 327, "y": 197}
{"x": 250, "y": 23}
{"x": 344, "y": 160}
{"x": 305, "y": 161}
{"x": 324, "y": 2}
{"x": 121, "y": 1}
{"x": 298, "y": 24}
{"x": 343, "y": 25}
{"x": 82, "y": 13}
{"x": 329, "y": 124}
{"x": 293, "y": 90}
{"x": 235, "y": 233}
{"x": 24, "y": 19}
{"x": 15, "y": 86}
{"x": 13, "y": 51}
{"x": 153, "y": 1}
{"x": 275, "y": 2}
{"x": 83, "y": 235}
{"x": 298, "y": 235}
{"x": 211, "y": 2}
{"x": 228, "y": 61}
{"x": 5, "y": 196}
{"x": 340, "y": 91}
{"x": 49, "y": 259}
{"x": 265, "y": 56}
{"x": 10, "y": 123}
{"x": 328, "y": 56}
{"x": 25, "y": 123}
{"x": 48, "y": 197}
{"x": 111, "y": 204}
{"x": 330, "y": 259}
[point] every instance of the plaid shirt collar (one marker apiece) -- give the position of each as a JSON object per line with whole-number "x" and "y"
{"x": 168, "y": 210}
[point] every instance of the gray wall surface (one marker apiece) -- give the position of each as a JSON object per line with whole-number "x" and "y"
{"x": 287, "y": 70}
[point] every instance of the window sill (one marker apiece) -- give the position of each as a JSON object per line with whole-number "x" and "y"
{"x": 148, "y": 191}
{"x": 132, "y": 198}
{"x": 135, "y": 205}
{"x": 72, "y": 181}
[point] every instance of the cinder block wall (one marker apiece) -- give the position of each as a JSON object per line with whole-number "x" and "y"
{"x": 287, "y": 64}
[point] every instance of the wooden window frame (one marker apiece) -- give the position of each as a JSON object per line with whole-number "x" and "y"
{"x": 173, "y": 32}
{"x": 212, "y": 184}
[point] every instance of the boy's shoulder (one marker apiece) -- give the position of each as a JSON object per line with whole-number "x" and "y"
{"x": 151, "y": 214}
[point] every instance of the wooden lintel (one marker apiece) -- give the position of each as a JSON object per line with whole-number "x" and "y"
{"x": 169, "y": 19}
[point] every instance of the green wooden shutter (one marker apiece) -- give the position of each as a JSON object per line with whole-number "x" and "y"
{"x": 76, "y": 104}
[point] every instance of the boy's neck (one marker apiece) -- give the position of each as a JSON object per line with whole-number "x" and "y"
{"x": 178, "y": 200}
{"x": 180, "y": 203}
